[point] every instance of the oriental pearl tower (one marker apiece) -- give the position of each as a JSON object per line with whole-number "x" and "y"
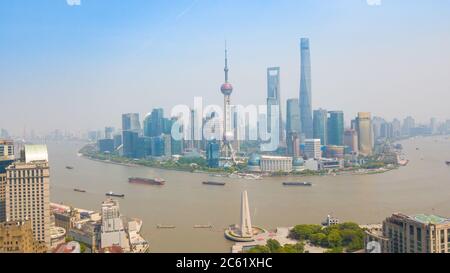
{"x": 228, "y": 134}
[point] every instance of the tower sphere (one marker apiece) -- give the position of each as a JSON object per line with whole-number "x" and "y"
{"x": 227, "y": 89}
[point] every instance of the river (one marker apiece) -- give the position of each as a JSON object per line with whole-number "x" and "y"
{"x": 421, "y": 187}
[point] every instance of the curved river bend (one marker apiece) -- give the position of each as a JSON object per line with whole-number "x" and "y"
{"x": 421, "y": 187}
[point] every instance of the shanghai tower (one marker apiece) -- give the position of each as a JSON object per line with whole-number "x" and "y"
{"x": 306, "y": 119}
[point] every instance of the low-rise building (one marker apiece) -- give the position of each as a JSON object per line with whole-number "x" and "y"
{"x": 331, "y": 164}
{"x": 313, "y": 149}
{"x": 333, "y": 151}
{"x": 330, "y": 221}
{"x": 70, "y": 247}
{"x": 276, "y": 163}
{"x": 113, "y": 229}
{"x": 312, "y": 165}
{"x": 65, "y": 219}
{"x": 87, "y": 233}
{"x": 57, "y": 236}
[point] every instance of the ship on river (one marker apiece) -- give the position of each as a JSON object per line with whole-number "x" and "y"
{"x": 304, "y": 184}
{"x": 112, "y": 194}
{"x": 146, "y": 181}
{"x": 212, "y": 183}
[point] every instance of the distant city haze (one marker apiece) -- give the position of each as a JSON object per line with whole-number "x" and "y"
{"x": 79, "y": 67}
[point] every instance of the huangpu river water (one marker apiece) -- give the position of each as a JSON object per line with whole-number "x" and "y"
{"x": 421, "y": 187}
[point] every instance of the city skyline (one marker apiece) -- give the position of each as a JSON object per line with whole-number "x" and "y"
{"x": 116, "y": 65}
{"x": 134, "y": 126}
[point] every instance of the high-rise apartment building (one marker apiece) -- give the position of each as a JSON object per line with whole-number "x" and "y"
{"x": 6, "y": 159}
{"x": 320, "y": 124}
{"x": 335, "y": 128}
{"x": 305, "y": 98}
{"x": 28, "y": 191}
{"x": 364, "y": 130}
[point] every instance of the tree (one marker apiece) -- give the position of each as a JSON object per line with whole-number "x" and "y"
{"x": 304, "y": 232}
{"x": 273, "y": 245}
{"x": 334, "y": 239}
{"x": 289, "y": 249}
{"x": 300, "y": 247}
{"x": 335, "y": 250}
{"x": 319, "y": 239}
{"x": 356, "y": 244}
{"x": 259, "y": 249}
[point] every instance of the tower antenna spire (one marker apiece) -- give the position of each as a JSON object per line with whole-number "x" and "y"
{"x": 226, "y": 62}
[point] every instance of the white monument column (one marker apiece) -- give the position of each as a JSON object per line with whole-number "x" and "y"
{"x": 246, "y": 222}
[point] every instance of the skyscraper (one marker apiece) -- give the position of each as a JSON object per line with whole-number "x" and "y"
{"x": 377, "y": 124}
{"x": 351, "y": 140}
{"x": 305, "y": 89}
{"x": 408, "y": 124}
{"x": 28, "y": 191}
{"x": 396, "y": 128}
{"x": 274, "y": 99}
{"x": 364, "y": 129}
{"x": 320, "y": 123}
{"x": 293, "y": 127}
{"x": 154, "y": 123}
{"x": 130, "y": 144}
{"x": 213, "y": 153}
{"x": 335, "y": 128}
{"x": 109, "y": 132}
{"x": 6, "y": 159}
{"x": 292, "y": 116}
{"x": 130, "y": 122}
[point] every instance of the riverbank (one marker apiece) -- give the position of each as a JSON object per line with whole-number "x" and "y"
{"x": 89, "y": 152}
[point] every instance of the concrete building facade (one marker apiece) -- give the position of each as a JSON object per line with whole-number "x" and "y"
{"x": 313, "y": 149}
{"x": 28, "y": 191}
{"x": 276, "y": 164}
{"x": 17, "y": 237}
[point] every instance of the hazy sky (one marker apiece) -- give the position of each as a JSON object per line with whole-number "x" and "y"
{"x": 79, "y": 67}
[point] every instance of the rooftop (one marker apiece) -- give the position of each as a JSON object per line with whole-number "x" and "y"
{"x": 429, "y": 219}
{"x": 276, "y": 157}
{"x": 71, "y": 247}
{"x": 35, "y": 153}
